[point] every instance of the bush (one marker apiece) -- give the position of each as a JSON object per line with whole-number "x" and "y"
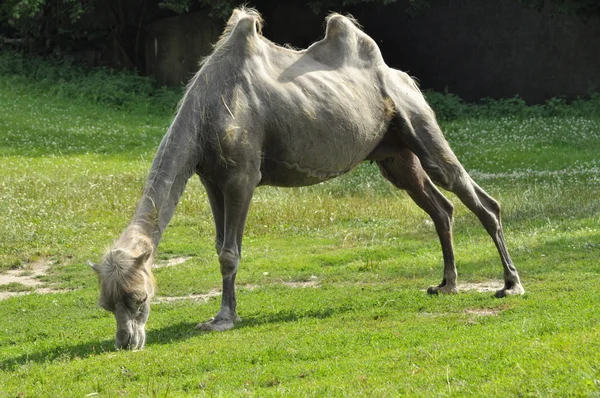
{"x": 451, "y": 107}
{"x": 495, "y": 108}
{"x": 65, "y": 79}
{"x": 129, "y": 91}
{"x": 447, "y": 106}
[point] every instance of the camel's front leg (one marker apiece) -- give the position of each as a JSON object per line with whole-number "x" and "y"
{"x": 217, "y": 205}
{"x": 237, "y": 194}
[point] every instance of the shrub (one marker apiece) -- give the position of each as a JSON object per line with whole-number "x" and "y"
{"x": 66, "y": 79}
{"x": 447, "y": 106}
{"x": 129, "y": 91}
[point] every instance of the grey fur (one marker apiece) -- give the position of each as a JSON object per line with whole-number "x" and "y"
{"x": 260, "y": 114}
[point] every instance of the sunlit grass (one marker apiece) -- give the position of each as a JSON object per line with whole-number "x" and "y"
{"x": 70, "y": 176}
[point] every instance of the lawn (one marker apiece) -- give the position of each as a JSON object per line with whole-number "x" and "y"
{"x": 331, "y": 285}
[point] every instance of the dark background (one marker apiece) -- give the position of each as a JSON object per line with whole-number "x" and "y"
{"x": 473, "y": 48}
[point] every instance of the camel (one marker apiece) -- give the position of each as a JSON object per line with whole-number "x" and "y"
{"x": 257, "y": 113}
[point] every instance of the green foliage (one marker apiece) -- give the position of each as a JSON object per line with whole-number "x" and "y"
{"x": 448, "y": 106}
{"x": 220, "y": 9}
{"x": 178, "y": 6}
{"x": 44, "y": 20}
{"x": 64, "y": 79}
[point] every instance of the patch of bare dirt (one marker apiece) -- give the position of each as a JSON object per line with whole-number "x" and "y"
{"x": 28, "y": 276}
{"x": 5, "y": 295}
{"x": 301, "y": 285}
{"x": 199, "y": 297}
{"x": 482, "y": 311}
{"x": 217, "y": 292}
{"x": 192, "y": 297}
{"x": 482, "y": 287}
{"x": 477, "y": 312}
{"x": 432, "y": 314}
{"x": 312, "y": 282}
{"x": 170, "y": 262}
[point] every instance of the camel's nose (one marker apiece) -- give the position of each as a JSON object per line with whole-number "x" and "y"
{"x": 133, "y": 339}
{"x": 126, "y": 340}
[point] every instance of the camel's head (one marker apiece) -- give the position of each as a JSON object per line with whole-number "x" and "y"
{"x": 126, "y": 289}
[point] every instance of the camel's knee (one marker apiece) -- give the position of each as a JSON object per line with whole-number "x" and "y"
{"x": 448, "y": 207}
{"x": 489, "y": 211}
{"x": 442, "y": 215}
{"x": 490, "y": 221}
{"x": 218, "y": 244}
{"x": 229, "y": 261}
{"x": 443, "y": 207}
{"x": 447, "y": 175}
{"x": 492, "y": 205}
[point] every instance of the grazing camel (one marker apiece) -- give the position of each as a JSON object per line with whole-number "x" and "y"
{"x": 260, "y": 114}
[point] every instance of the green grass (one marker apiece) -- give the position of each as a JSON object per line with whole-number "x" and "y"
{"x": 15, "y": 287}
{"x": 72, "y": 171}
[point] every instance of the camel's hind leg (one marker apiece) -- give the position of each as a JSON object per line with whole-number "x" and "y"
{"x": 488, "y": 212}
{"x": 445, "y": 170}
{"x": 405, "y": 172}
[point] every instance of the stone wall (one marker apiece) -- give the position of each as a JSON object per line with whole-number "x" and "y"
{"x": 174, "y": 46}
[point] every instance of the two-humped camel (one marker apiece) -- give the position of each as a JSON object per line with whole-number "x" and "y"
{"x": 260, "y": 114}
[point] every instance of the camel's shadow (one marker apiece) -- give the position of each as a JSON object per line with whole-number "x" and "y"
{"x": 166, "y": 335}
{"x": 180, "y": 331}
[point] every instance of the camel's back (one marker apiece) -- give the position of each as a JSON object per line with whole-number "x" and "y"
{"x": 321, "y": 110}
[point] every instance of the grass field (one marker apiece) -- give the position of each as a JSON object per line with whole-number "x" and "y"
{"x": 331, "y": 285}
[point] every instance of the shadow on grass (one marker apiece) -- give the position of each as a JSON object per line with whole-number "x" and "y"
{"x": 287, "y": 316}
{"x": 167, "y": 335}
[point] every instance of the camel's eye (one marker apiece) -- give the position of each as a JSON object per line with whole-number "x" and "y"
{"x": 142, "y": 300}
{"x": 136, "y": 302}
{"x": 108, "y": 305}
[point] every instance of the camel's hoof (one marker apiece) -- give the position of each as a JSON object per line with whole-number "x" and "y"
{"x": 220, "y": 325}
{"x": 516, "y": 289}
{"x": 441, "y": 289}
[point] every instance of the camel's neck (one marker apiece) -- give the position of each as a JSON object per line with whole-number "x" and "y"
{"x": 174, "y": 163}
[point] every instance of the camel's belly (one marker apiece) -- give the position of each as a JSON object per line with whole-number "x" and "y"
{"x": 283, "y": 174}
{"x": 317, "y": 128}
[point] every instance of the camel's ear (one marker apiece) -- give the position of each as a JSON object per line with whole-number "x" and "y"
{"x": 95, "y": 267}
{"x": 142, "y": 258}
